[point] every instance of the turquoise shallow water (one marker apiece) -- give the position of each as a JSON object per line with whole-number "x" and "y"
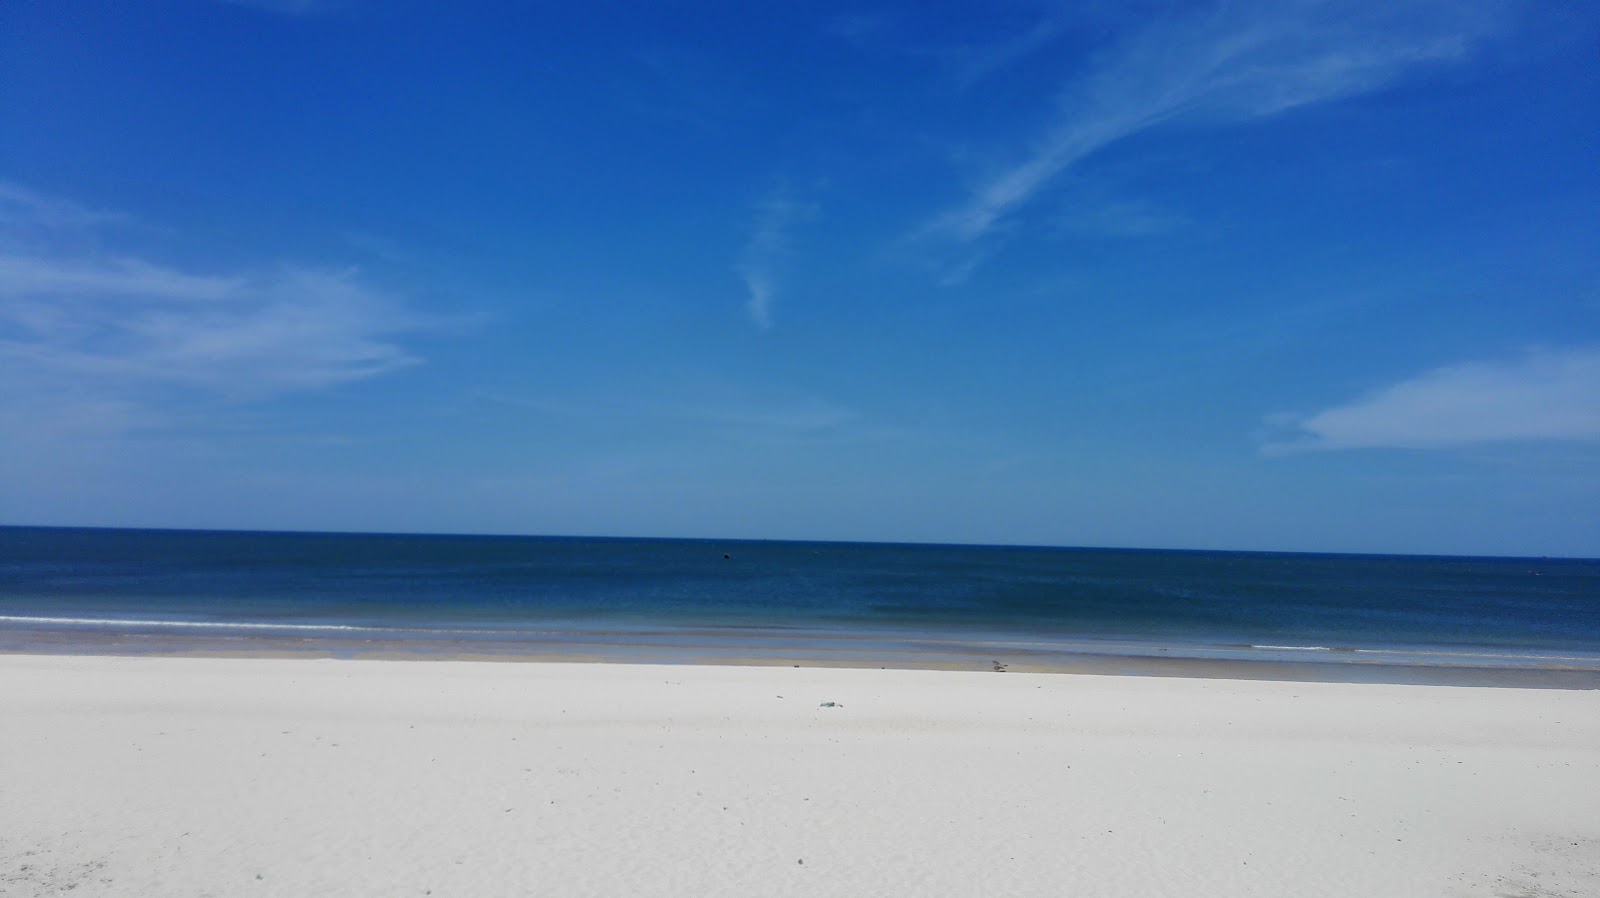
{"x": 779, "y": 599}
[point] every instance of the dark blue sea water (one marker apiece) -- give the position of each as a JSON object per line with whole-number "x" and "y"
{"x": 172, "y": 590}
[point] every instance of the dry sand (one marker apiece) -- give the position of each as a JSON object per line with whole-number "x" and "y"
{"x": 188, "y": 777}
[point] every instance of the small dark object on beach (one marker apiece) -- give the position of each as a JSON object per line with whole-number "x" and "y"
{"x": 801, "y": 861}
{"x": 1000, "y": 668}
{"x": 831, "y": 705}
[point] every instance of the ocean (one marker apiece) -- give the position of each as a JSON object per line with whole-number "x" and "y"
{"x": 1349, "y": 617}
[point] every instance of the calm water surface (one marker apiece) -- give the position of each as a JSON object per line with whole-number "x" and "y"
{"x": 221, "y": 588}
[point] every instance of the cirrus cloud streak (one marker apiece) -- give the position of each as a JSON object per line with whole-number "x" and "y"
{"x": 1227, "y": 62}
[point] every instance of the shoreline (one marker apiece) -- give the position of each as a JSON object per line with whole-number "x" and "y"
{"x": 868, "y": 651}
{"x": 278, "y": 777}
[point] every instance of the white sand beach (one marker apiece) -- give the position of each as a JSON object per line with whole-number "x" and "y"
{"x": 189, "y": 777}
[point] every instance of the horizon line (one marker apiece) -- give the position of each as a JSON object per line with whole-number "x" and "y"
{"x": 267, "y": 531}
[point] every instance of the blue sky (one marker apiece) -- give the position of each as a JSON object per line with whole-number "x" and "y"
{"x": 1257, "y": 275}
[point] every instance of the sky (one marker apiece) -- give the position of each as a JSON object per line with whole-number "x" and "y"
{"x": 1303, "y": 275}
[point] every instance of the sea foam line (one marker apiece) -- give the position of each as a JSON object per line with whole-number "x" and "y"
{"x": 206, "y": 625}
{"x": 1179, "y": 649}
{"x": 257, "y": 625}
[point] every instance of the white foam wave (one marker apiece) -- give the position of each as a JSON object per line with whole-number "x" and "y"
{"x": 1530, "y": 656}
{"x": 200, "y": 625}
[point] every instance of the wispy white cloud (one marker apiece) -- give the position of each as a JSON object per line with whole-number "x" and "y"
{"x": 967, "y": 64}
{"x": 131, "y": 322}
{"x": 1228, "y": 62}
{"x": 101, "y": 329}
{"x": 37, "y": 276}
{"x": 970, "y": 65}
{"x": 1545, "y": 395}
{"x": 25, "y": 209}
{"x": 769, "y": 245}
